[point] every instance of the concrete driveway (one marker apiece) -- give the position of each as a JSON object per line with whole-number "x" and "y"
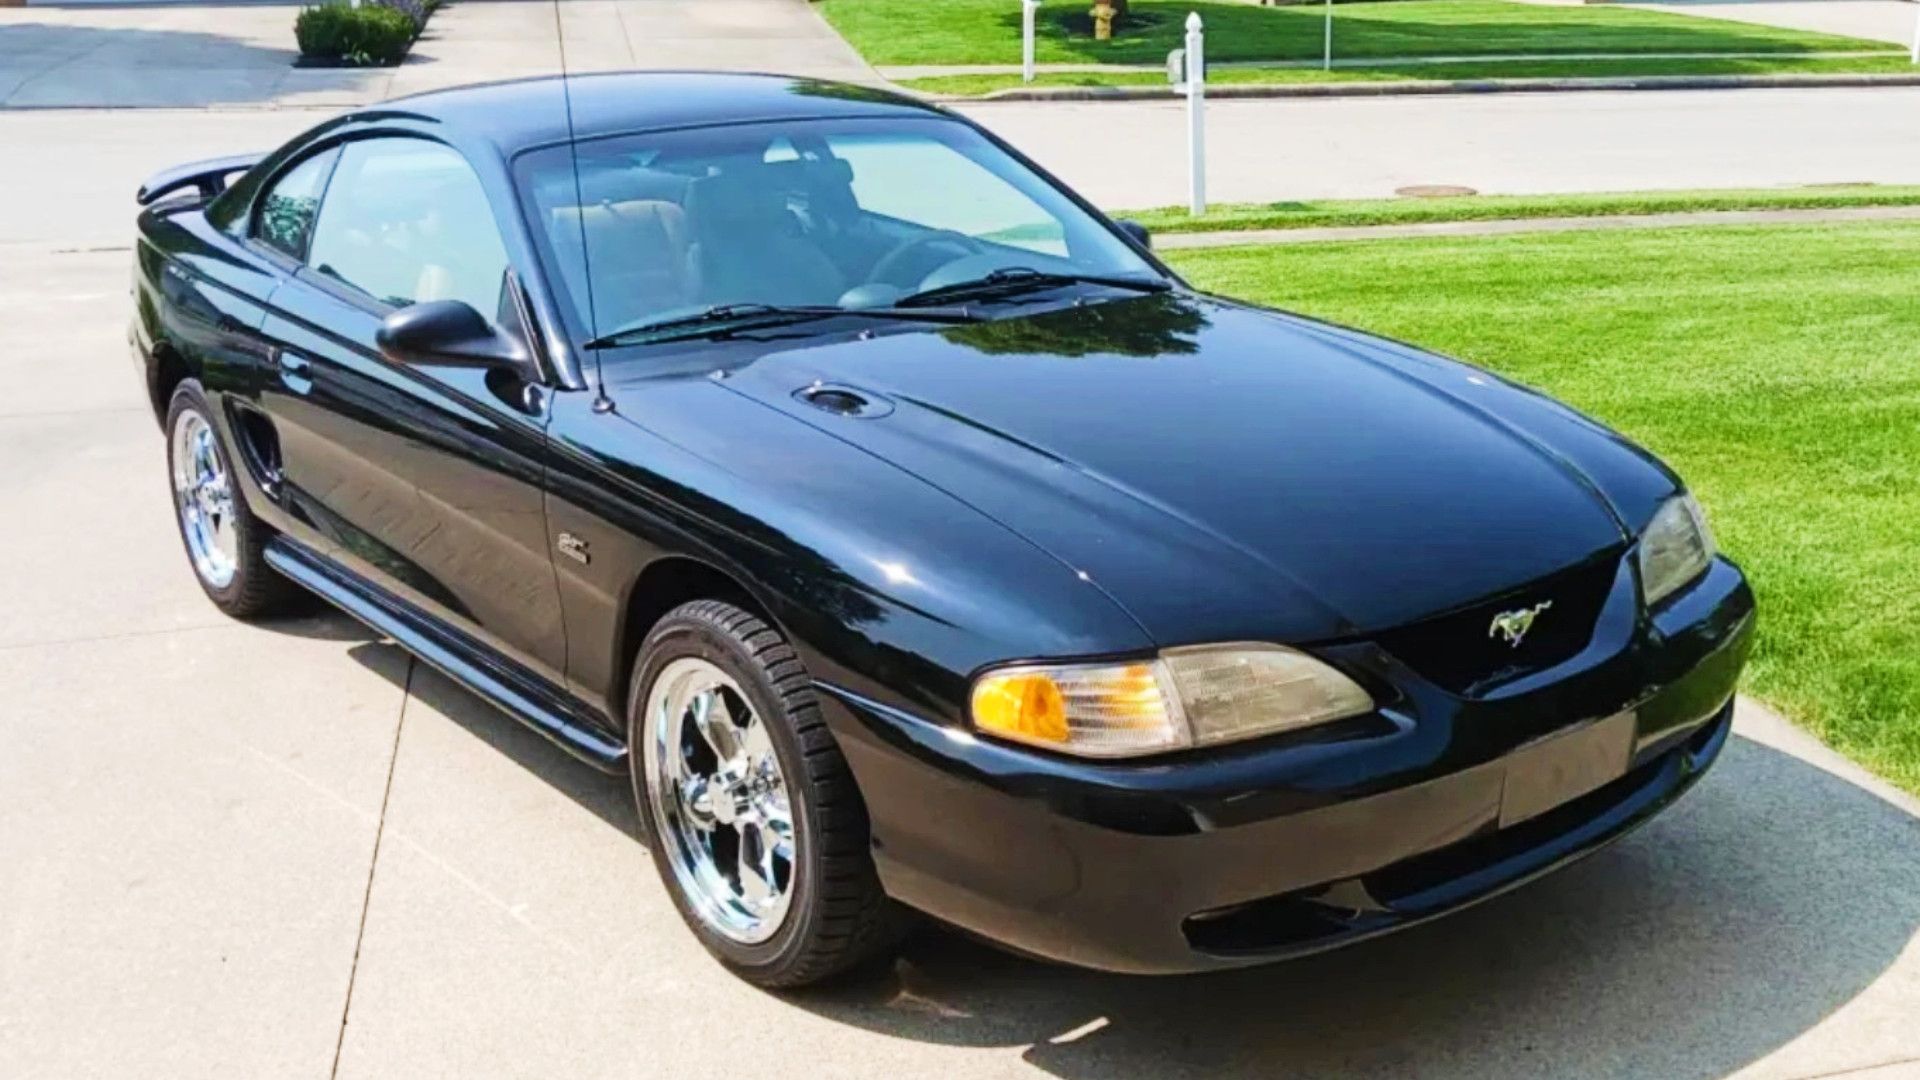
{"x": 287, "y": 850}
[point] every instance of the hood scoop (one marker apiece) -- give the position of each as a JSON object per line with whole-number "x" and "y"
{"x": 842, "y": 400}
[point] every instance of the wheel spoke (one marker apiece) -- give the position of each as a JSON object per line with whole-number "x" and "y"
{"x": 715, "y": 724}
{"x": 758, "y": 885}
{"x": 758, "y": 746}
{"x": 223, "y": 537}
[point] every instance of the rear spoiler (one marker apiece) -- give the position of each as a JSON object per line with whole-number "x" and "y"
{"x": 209, "y": 176}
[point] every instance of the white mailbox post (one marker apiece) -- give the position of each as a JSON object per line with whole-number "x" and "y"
{"x": 1027, "y": 10}
{"x": 1187, "y": 71}
{"x": 1326, "y": 52}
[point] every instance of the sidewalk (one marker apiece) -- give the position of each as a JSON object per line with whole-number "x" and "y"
{"x": 480, "y": 40}
{"x": 1876, "y": 20}
{"x": 210, "y": 55}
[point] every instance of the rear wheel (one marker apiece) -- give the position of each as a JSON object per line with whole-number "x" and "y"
{"x": 753, "y": 818}
{"x": 225, "y": 543}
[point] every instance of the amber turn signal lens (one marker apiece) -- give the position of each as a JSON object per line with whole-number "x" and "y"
{"x": 1023, "y": 705}
{"x": 1186, "y": 697}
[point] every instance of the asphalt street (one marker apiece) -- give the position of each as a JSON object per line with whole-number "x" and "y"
{"x": 69, "y": 173}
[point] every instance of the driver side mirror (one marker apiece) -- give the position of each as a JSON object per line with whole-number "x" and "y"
{"x": 451, "y": 333}
{"x": 1136, "y": 230}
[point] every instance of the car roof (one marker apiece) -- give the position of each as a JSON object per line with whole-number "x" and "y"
{"x": 529, "y": 112}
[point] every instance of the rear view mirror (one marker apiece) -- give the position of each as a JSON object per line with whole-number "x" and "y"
{"x": 1136, "y": 230}
{"x": 448, "y": 332}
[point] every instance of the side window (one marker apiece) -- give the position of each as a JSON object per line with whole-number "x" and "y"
{"x": 406, "y": 221}
{"x": 284, "y": 220}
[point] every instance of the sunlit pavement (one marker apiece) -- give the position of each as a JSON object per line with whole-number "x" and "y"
{"x": 287, "y": 850}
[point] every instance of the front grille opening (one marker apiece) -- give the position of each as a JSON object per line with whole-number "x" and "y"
{"x": 1457, "y": 652}
{"x": 1274, "y": 923}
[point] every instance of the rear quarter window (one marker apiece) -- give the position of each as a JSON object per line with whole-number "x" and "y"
{"x": 286, "y": 213}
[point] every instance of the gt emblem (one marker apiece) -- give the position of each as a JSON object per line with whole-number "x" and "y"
{"x": 1512, "y": 626}
{"x": 572, "y": 547}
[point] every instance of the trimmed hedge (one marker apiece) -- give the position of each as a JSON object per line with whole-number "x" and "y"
{"x": 371, "y": 35}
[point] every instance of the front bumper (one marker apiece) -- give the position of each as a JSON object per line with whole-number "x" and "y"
{"x": 1292, "y": 845}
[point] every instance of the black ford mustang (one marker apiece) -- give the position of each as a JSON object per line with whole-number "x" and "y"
{"x": 911, "y": 535}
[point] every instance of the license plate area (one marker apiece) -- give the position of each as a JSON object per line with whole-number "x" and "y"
{"x": 1563, "y": 766}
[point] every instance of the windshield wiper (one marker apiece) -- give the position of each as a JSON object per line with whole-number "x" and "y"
{"x": 1012, "y": 279}
{"x": 727, "y": 318}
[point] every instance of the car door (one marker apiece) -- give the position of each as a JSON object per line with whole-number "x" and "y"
{"x": 425, "y": 479}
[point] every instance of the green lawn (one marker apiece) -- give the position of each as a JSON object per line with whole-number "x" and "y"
{"x": 1773, "y": 367}
{"x": 1894, "y": 64}
{"x": 988, "y": 31}
{"x": 1310, "y": 214}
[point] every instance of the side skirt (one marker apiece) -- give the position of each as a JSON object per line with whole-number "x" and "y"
{"x": 519, "y": 693}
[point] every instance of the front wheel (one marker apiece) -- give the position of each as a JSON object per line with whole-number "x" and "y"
{"x": 753, "y": 818}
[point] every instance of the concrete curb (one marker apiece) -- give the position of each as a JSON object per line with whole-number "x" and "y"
{"x": 1423, "y": 87}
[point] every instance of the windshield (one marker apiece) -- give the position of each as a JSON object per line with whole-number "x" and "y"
{"x": 840, "y": 213}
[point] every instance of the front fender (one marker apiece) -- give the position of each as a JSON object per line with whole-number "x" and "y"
{"x": 884, "y": 584}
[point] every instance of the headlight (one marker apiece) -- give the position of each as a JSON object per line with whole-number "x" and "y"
{"x": 1189, "y": 697}
{"x": 1675, "y": 549}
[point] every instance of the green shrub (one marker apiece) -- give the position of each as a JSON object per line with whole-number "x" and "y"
{"x": 368, "y": 35}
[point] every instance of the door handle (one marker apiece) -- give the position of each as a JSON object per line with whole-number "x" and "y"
{"x": 296, "y": 371}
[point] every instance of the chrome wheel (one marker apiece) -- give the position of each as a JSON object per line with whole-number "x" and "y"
{"x": 203, "y": 496}
{"x": 719, "y": 801}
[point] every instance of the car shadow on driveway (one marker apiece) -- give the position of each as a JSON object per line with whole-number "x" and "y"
{"x": 605, "y": 796}
{"x": 167, "y": 56}
{"x": 1770, "y": 897}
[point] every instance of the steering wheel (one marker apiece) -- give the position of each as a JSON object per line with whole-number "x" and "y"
{"x": 890, "y": 264}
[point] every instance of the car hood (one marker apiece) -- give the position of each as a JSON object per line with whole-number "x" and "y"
{"x": 1230, "y": 473}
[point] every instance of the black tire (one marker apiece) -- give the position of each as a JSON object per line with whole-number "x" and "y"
{"x": 838, "y": 916}
{"x": 255, "y": 589}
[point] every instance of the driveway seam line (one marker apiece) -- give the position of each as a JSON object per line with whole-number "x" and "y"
{"x": 373, "y": 865}
{"x": 1852, "y": 1069}
{"x": 93, "y": 639}
{"x": 74, "y": 412}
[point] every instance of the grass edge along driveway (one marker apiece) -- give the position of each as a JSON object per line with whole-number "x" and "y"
{"x": 908, "y": 32}
{"x": 1324, "y": 213}
{"x": 1772, "y": 367}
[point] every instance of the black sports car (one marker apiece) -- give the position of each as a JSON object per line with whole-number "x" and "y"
{"x": 911, "y": 535}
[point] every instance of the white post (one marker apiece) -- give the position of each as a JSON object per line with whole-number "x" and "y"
{"x": 1027, "y": 8}
{"x": 1196, "y": 112}
{"x": 1326, "y": 52}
